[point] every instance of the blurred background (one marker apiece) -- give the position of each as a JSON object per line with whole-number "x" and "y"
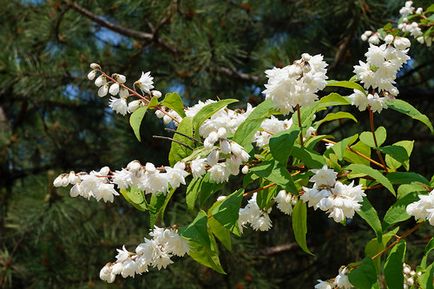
{"x": 52, "y": 121}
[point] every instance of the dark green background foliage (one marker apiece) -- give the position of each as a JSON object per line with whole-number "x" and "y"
{"x": 52, "y": 121}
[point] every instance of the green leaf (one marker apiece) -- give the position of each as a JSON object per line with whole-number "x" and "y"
{"x": 310, "y": 158}
{"x": 363, "y": 169}
{"x": 397, "y": 212}
{"x": 299, "y": 225}
{"x": 157, "y": 206}
{"x": 367, "y": 138}
{"x": 178, "y": 151}
{"x": 398, "y": 153}
{"x": 334, "y": 116}
{"x": 208, "y": 110}
{"x": 393, "y": 266}
{"x": 136, "y": 120}
{"x": 340, "y": 147}
{"x": 226, "y": 212}
{"x": 173, "y": 101}
{"x": 364, "y": 276}
{"x": 407, "y": 109}
{"x": 373, "y": 247}
{"x": 221, "y": 233}
{"x": 247, "y": 129}
{"x": 430, "y": 9}
{"x": 356, "y": 159}
{"x": 429, "y": 247}
{"x": 426, "y": 279}
{"x": 203, "y": 247}
{"x": 265, "y": 198}
{"x": 393, "y": 163}
{"x": 406, "y": 178}
{"x": 406, "y": 189}
{"x": 135, "y": 197}
{"x": 370, "y": 215}
{"x": 281, "y": 144}
{"x": 332, "y": 99}
{"x": 346, "y": 84}
{"x": 275, "y": 173}
{"x": 200, "y": 187}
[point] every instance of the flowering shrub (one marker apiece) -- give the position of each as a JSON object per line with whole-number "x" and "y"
{"x": 275, "y": 148}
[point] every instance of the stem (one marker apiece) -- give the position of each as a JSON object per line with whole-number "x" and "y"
{"x": 300, "y": 125}
{"x": 184, "y": 135}
{"x": 171, "y": 139}
{"x": 371, "y": 122}
{"x": 357, "y": 153}
{"x": 398, "y": 239}
{"x": 135, "y": 93}
{"x": 246, "y": 194}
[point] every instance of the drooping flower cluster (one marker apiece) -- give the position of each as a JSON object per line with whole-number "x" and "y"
{"x": 340, "y": 201}
{"x": 378, "y": 73}
{"x": 340, "y": 281}
{"x": 100, "y": 185}
{"x": 251, "y": 214}
{"x": 296, "y": 84}
{"x": 409, "y": 275}
{"x": 423, "y": 209}
{"x": 413, "y": 28}
{"x": 150, "y": 179}
{"x": 115, "y": 86}
{"x": 156, "y": 252}
{"x": 96, "y": 184}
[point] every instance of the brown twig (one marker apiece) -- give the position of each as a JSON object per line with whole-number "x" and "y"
{"x": 372, "y": 125}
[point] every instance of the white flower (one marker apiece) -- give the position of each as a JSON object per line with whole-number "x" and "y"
{"x": 285, "y": 201}
{"x": 253, "y": 215}
{"x": 423, "y": 209}
{"x": 359, "y": 99}
{"x": 324, "y": 177}
{"x": 119, "y": 105}
{"x": 145, "y": 83}
{"x": 312, "y": 196}
{"x": 122, "y": 255}
{"x": 198, "y": 167}
{"x": 176, "y": 175}
{"x": 106, "y": 274}
{"x": 219, "y": 173}
{"x": 342, "y": 280}
{"x": 105, "y": 192}
{"x": 323, "y": 285}
{"x": 119, "y": 78}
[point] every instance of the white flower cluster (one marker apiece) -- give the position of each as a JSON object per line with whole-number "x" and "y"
{"x": 225, "y": 156}
{"x": 378, "y": 73}
{"x": 413, "y": 28}
{"x": 251, "y": 214}
{"x": 285, "y": 201}
{"x": 340, "y": 201}
{"x": 423, "y": 209}
{"x": 115, "y": 85}
{"x": 156, "y": 252}
{"x": 270, "y": 127}
{"x": 409, "y": 275}
{"x": 297, "y": 84}
{"x": 341, "y": 281}
{"x": 96, "y": 184}
{"x": 150, "y": 179}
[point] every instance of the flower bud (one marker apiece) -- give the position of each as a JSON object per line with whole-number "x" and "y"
{"x": 134, "y": 166}
{"x": 119, "y": 78}
{"x": 124, "y": 93}
{"x": 103, "y": 90}
{"x": 388, "y": 39}
{"x": 245, "y": 170}
{"x": 114, "y": 89}
{"x": 95, "y": 66}
{"x": 91, "y": 75}
{"x": 156, "y": 93}
{"x": 133, "y": 105}
{"x": 100, "y": 81}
